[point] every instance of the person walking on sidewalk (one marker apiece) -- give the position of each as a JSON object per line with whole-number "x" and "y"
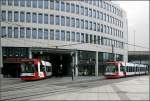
{"x": 72, "y": 74}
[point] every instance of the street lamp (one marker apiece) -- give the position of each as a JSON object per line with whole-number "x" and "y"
{"x": 1, "y": 58}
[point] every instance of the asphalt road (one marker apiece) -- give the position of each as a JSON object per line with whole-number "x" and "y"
{"x": 22, "y": 90}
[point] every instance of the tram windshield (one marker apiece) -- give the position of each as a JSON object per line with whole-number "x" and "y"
{"x": 111, "y": 68}
{"x": 28, "y": 67}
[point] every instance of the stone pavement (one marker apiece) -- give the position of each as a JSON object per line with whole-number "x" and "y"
{"x": 135, "y": 89}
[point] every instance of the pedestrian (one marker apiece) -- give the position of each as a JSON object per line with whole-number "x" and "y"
{"x": 72, "y": 74}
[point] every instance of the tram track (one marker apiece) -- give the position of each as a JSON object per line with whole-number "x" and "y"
{"x": 34, "y": 94}
{"x": 38, "y": 89}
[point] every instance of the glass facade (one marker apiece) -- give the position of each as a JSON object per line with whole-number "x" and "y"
{"x": 75, "y": 22}
{"x": 97, "y": 23}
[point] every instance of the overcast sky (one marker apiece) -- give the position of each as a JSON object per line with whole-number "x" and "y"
{"x": 138, "y": 20}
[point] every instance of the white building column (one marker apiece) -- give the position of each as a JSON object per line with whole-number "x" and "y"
{"x": 96, "y": 64}
{"x": 30, "y": 53}
{"x": 76, "y": 63}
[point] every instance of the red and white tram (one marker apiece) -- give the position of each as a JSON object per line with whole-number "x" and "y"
{"x": 34, "y": 69}
{"x": 119, "y": 69}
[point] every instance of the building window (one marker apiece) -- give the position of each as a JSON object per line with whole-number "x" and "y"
{"x": 51, "y": 19}
{"x": 45, "y": 33}
{"x": 22, "y": 16}
{"x": 98, "y": 15}
{"x": 22, "y": 32}
{"x": 34, "y": 3}
{"x": 3, "y": 2}
{"x": 63, "y": 35}
{"x": 3, "y": 32}
{"x": 10, "y": 2}
{"x": 86, "y": 24}
{"x": 77, "y": 23}
{"x": 28, "y": 3}
{"x": 22, "y": 3}
{"x": 28, "y": 17}
{"x": 104, "y": 28}
{"x": 68, "y": 21}
{"x": 72, "y": 8}
{"x": 3, "y": 15}
{"x": 94, "y": 26}
{"x": 34, "y": 17}
{"x": 40, "y": 18}
{"x": 90, "y": 25}
{"x": 77, "y": 9}
{"x": 94, "y": 2}
{"x": 57, "y": 5}
{"x": 51, "y": 4}
{"x": 57, "y": 20}
{"x": 46, "y": 3}
{"x": 28, "y": 33}
{"x": 40, "y": 3}
{"x": 68, "y": 36}
{"x": 67, "y": 7}
{"x": 73, "y": 22}
{"x": 90, "y": 12}
{"x": 10, "y": 16}
{"x": 111, "y": 30}
{"x": 107, "y": 18}
{"x": 98, "y": 40}
{"x": 16, "y": 32}
{"x": 107, "y": 30}
{"x": 40, "y": 34}
{"x": 101, "y": 28}
{"x": 72, "y": 36}
{"x": 86, "y": 11}
{"x": 9, "y": 32}
{"x": 62, "y": 6}
{"x": 78, "y": 37}
{"x": 45, "y": 18}
{"x": 104, "y": 17}
{"x": 34, "y": 33}
{"x": 86, "y": 38}
{"x": 82, "y": 10}
{"x": 101, "y": 15}
{"x": 62, "y": 21}
{"x": 57, "y": 35}
{"x": 98, "y": 27}
{"x": 16, "y": 16}
{"x": 51, "y": 34}
{"x": 82, "y": 24}
{"x": 95, "y": 41}
{"x": 91, "y": 39}
{"x": 94, "y": 13}
{"x": 82, "y": 37}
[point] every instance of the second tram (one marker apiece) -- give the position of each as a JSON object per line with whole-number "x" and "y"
{"x": 119, "y": 69}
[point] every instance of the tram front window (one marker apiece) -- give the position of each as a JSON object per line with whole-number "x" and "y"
{"x": 27, "y": 68}
{"x": 111, "y": 68}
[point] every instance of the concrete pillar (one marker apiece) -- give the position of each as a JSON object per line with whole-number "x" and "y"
{"x": 76, "y": 63}
{"x": 96, "y": 64}
{"x": 30, "y": 53}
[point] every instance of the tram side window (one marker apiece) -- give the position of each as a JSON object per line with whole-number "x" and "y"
{"x": 48, "y": 68}
{"x": 136, "y": 69}
{"x": 27, "y": 68}
{"x": 129, "y": 69}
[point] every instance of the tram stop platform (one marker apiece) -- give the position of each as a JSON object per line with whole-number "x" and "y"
{"x": 133, "y": 89}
